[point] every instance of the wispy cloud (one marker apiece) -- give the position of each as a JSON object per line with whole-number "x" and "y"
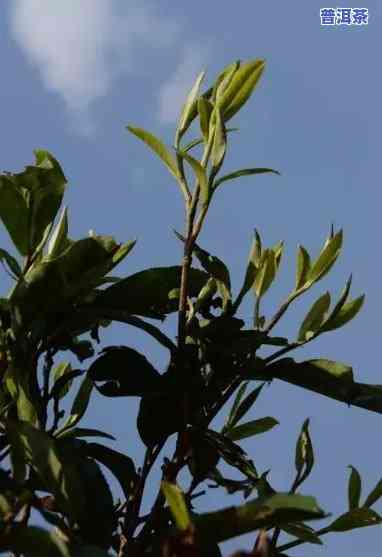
{"x": 80, "y": 46}
{"x": 173, "y": 92}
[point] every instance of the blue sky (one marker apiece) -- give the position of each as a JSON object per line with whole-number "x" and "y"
{"x": 74, "y": 74}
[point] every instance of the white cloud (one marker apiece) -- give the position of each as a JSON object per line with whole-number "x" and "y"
{"x": 80, "y": 46}
{"x": 173, "y": 92}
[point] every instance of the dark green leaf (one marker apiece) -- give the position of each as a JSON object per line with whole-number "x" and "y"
{"x": 11, "y": 262}
{"x": 354, "y": 488}
{"x": 251, "y": 428}
{"x": 120, "y": 465}
{"x": 77, "y": 432}
{"x": 231, "y": 417}
{"x": 80, "y": 404}
{"x": 127, "y": 372}
{"x": 275, "y": 510}
{"x": 304, "y": 456}
{"x": 14, "y": 213}
{"x": 303, "y": 267}
{"x": 356, "y": 518}
{"x": 302, "y": 532}
{"x": 58, "y": 474}
{"x": 159, "y": 417}
{"x": 243, "y": 172}
{"x": 32, "y": 541}
{"x": 62, "y": 379}
{"x": 246, "y": 404}
{"x": 147, "y": 292}
{"x": 314, "y": 318}
{"x": 59, "y": 240}
{"x": 374, "y": 495}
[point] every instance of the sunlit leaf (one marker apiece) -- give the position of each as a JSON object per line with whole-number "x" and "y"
{"x": 356, "y": 518}
{"x": 187, "y": 115}
{"x": 303, "y": 267}
{"x": 243, "y": 172}
{"x": 176, "y": 502}
{"x": 326, "y": 258}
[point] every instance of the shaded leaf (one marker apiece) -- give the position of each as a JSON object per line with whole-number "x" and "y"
{"x": 302, "y": 532}
{"x": 374, "y": 495}
{"x": 84, "y": 432}
{"x": 33, "y": 541}
{"x": 147, "y": 292}
{"x": 239, "y": 395}
{"x": 127, "y": 372}
{"x": 304, "y": 455}
{"x": 345, "y": 314}
{"x": 356, "y": 518}
{"x": 11, "y": 262}
{"x": 275, "y": 510}
{"x": 120, "y": 465}
{"x": 354, "y": 488}
{"x": 80, "y": 404}
{"x": 59, "y": 238}
{"x": 62, "y": 379}
{"x": 246, "y": 404}
{"x": 58, "y": 475}
{"x": 251, "y": 428}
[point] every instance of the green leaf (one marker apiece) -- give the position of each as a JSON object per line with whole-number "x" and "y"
{"x": 304, "y": 456}
{"x": 80, "y": 404}
{"x": 345, "y": 314}
{"x": 245, "y": 405}
{"x": 32, "y": 541}
{"x": 60, "y": 371}
{"x": 219, "y": 144}
{"x": 14, "y": 213}
{"x": 176, "y": 502}
{"x": 356, "y": 518}
{"x": 200, "y": 174}
{"x": 264, "y": 512}
{"x": 240, "y": 88}
{"x": 205, "y": 109}
{"x": 314, "y": 318}
{"x": 58, "y": 475}
{"x": 59, "y": 238}
{"x": 77, "y": 432}
{"x": 187, "y": 114}
{"x": 147, "y": 292}
{"x": 243, "y": 172}
{"x": 11, "y": 262}
{"x": 99, "y": 521}
{"x": 199, "y": 140}
{"x": 239, "y": 395}
{"x": 326, "y": 259}
{"x": 223, "y": 80}
{"x": 120, "y": 465}
{"x": 266, "y": 273}
{"x": 374, "y": 495}
{"x": 251, "y": 428}
{"x": 127, "y": 372}
{"x": 159, "y": 417}
{"x": 303, "y": 267}
{"x": 302, "y": 532}
{"x": 354, "y": 488}
{"x": 158, "y": 147}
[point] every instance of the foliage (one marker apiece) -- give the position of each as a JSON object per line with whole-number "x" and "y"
{"x": 63, "y": 290}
